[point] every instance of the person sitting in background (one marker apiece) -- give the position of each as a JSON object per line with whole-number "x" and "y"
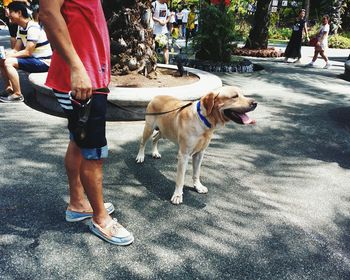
{"x": 32, "y": 52}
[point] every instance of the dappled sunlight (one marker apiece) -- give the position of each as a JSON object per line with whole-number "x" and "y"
{"x": 277, "y": 206}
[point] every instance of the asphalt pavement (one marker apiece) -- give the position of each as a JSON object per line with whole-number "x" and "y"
{"x": 278, "y": 205}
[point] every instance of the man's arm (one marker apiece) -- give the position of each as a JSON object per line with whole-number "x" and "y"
{"x": 16, "y": 52}
{"x": 58, "y": 35}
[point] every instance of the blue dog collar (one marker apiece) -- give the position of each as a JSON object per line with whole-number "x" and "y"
{"x": 204, "y": 120}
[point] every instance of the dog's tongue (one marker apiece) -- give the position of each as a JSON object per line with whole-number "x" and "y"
{"x": 246, "y": 119}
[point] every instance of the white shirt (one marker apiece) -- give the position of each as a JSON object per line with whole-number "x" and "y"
{"x": 185, "y": 13}
{"x": 160, "y": 11}
{"x": 172, "y": 17}
{"x": 324, "y": 28}
{"x": 35, "y": 33}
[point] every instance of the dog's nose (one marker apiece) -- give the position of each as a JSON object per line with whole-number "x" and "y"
{"x": 254, "y": 104}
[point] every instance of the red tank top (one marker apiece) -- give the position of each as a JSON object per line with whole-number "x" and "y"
{"x": 88, "y": 31}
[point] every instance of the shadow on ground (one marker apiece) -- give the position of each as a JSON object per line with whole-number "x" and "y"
{"x": 273, "y": 210}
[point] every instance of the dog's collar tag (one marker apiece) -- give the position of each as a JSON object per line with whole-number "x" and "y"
{"x": 204, "y": 120}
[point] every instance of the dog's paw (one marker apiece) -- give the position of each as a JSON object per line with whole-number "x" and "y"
{"x": 200, "y": 188}
{"x": 156, "y": 155}
{"x": 140, "y": 158}
{"x": 176, "y": 199}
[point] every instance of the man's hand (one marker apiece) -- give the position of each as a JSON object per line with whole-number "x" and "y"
{"x": 9, "y": 53}
{"x": 80, "y": 83}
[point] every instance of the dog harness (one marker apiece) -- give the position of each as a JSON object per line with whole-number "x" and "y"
{"x": 203, "y": 119}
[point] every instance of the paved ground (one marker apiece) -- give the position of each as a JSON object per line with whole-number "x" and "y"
{"x": 277, "y": 208}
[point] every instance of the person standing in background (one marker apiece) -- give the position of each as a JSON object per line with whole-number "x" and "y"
{"x": 172, "y": 20}
{"x": 185, "y": 13}
{"x": 293, "y": 49}
{"x": 179, "y": 17}
{"x": 322, "y": 43}
{"x": 11, "y": 26}
{"x": 190, "y": 27}
{"x": 161, "y": 17}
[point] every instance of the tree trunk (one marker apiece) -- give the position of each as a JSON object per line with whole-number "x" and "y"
{"x": 132, "y": 44}
{"x": 258, "y": 35}
{"x": 307, "y": 8}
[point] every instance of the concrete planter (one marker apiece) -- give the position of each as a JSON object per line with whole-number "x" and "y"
{"x": 130, "y": 103}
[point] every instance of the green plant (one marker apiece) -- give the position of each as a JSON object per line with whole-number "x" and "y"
{"x": 214, "y": 38}
{"x": 280, "y": 33}
{"x": 339, "y": 42}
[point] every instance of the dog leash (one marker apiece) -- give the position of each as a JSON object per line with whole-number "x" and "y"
{"x": 151, "y": 114}
{"x": 158, "y": 113}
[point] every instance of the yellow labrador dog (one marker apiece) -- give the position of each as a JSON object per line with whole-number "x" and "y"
{"x": 192, "y": 128}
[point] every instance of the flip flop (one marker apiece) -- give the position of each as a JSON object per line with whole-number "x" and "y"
{"x": 74, "y": 216}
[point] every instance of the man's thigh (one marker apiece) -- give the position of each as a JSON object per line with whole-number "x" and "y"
{"x": 32, "y": 65}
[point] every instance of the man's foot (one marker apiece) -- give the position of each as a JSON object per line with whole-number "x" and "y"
{"x": 297, "y": 61}
{"x": 327, "y": 66}
{"x": 311, "y": 64}
{"x": 75, "y": 216}
{"x": 285, "y": 60}
{"x": 6, "y": 92}
{"x": 113, "y": 233}
{"x": 13, "y": 98}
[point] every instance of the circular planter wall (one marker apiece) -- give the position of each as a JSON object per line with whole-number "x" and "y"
{"x": 130, "y": 103}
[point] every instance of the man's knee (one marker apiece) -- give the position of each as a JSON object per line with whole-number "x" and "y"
{"x": 11, "y": 62}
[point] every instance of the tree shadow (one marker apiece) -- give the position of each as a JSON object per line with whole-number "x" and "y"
{"x": 277, "y": 206}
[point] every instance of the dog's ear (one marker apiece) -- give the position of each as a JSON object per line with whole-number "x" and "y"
{"x": 208, "y": 102}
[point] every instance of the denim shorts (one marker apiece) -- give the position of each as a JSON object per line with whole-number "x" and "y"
{"x": 32, "y": 65}
{"x": 94, "y": 146}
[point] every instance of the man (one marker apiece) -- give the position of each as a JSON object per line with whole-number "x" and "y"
{"x": 13, "y": 27}
{"x": 32, "y": 52}
{"x": 81, "y": 67}
{"x": 161, "y": 17}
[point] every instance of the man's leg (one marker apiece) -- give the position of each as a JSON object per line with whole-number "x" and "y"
{"x": 322, "y": 53}
{"x": 78, "y": 201}
{"x": 8, "y": 86}
{"x": 11, "y": 66}
{"x": 166, "y": 55}
{"x": 91, "y": 178}
{"x": 315, "y": 55}
{"x": 85, "y": 176}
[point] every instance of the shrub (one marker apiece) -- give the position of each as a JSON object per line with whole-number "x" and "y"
{"x": 339, "y": 42}
{"x": 214, "y": 38}
{"x": 280, "y": 33}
